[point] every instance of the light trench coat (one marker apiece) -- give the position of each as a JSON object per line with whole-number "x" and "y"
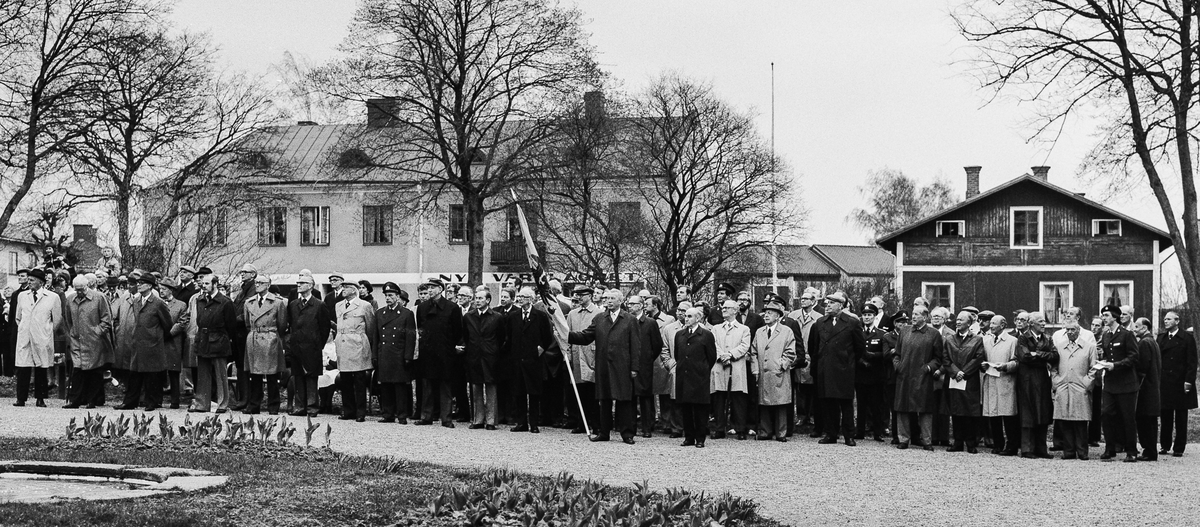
{"x": 1072, "y": 378}
{"x": 355, "y": 331}
{"x": 265, "y": 326}
{"x": 804, "y": 375}
{"x": 735, "y": 344}
{"x": 583, "y": 356}
{"x": 1000, "y": 393}
{"x": 37, "y": 323}
{"x": 667, "y": 360}
{"x": 771, "y": 361}
{"x": 90, "y": 333}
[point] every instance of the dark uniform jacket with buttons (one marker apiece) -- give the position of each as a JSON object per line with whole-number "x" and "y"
{"x": 1120, "y": 348}
{"x": 1178, "y": 366}
{"x": 395, "y": 343}
{"x": 876, "y": 362}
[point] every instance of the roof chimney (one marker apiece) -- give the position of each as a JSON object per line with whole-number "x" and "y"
{"x": 1042, "y": 173}
{"x": 306, "y": 123}
{"x": 593, "y": 105}
{"x": 381, "y": 112}
{"x": 972, "y": 181}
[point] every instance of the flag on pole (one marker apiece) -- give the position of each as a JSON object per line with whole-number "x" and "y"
{"x": 557, "y": 316}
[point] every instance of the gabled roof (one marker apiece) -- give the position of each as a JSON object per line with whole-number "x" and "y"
{"x": 888, "y": 241}
{"x": 794, "y": 260}
{"x": 857, "y": 260}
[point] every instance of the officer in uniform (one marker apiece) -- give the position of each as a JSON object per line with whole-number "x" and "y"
{"x": 870, "y": 377}
{"x": 395, "y": 345}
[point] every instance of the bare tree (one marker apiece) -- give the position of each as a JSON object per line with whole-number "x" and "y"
{"x": 894, "y": 200}
{"x": 474, "y": 86}
{"x": 589, "y": 212}
{"x": 47, "y": 84}
{"x": 170, "y": 126}
{"x": 1133, "y": 63}
{"x": 713, "y": 184}
{"x": 304, "y": 100}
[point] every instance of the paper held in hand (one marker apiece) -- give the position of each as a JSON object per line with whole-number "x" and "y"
{"x": 958, "y": 385}
{"x": 991, "y": 370}
{"x": 1102, "y": 365}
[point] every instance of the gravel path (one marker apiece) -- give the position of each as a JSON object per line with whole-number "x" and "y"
{"x": 799, "y": 482}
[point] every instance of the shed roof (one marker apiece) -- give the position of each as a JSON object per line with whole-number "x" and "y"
{"x": 858, "y": 260}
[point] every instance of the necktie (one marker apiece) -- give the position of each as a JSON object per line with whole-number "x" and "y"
{"x": 768, "y": 333}
{"x": 728, "y": 327}
{"x": 260, "y": 299}
{"x": 347, "y": 305}
{"x": 525, "y": 315}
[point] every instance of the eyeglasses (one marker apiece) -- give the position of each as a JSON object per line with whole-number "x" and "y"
{"x": 633, "y": 303}
{"x": 263, "y": 282}
{"x": 524, "y": 296}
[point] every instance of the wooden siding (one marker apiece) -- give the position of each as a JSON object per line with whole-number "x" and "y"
{"x": 1005, "y": 292}
{"x": 1066, "y": 234}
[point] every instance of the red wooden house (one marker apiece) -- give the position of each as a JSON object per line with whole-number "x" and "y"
{"x": 1029, "y": 244}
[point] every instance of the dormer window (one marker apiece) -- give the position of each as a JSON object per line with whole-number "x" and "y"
{"x": 1106, "y": 227}
{"x": 1025, "y": 227}
{"x": 354, "y": 158}
{"x": 256, "y": 160}
{"x": 951, "y": 229}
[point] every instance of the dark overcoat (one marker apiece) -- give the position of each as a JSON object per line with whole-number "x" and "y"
{"x": 873, "y": 368}
{"x": 1035, "y": 400}
{"x": 1149, "y": 401}
{"x": 965, "y": 355}
{"x": 919, "y": 353}
{"x": 483, "y": 336}
{"x": 215, "y": 320}
{"x": 1178, "y": 366}
{"x": 395, "y": 343}
{"x": 838, "y": 347}
{"x": 652, "y": 345}
{"x": 695, "y": 355}
{"x": 519, "y": 348}
{"x": 309, "y": 324}
{"x": 439, "y": 323}
{"x": 142, "y": 329}
{"x": 617, "y": 352}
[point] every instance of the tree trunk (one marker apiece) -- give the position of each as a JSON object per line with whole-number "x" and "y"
{"x": 128, "y": 259}
{"x": 474, "y": 214}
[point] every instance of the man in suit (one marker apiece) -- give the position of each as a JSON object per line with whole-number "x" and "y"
{"x": 527, "y": 334}
{"x": 1149, "y": 393}
{"x": 1178, "y": 387}
{"x": 1119, "y": 405}
{"x": 615, "y": 333}
{"x": 395, "y": 345}
{"x": 1035, "y": 404}
{"x": 838, "y": 342}
{"x": 725, "y": 291}
{"x": 918, "y": 360}
{"x": 695, "y": 353}
{"x": 265, "y": 317}
{"x": 730, "y": 388}
{"x": 354, "y": 345}
{"x": 187, "y": 284}
{"x": 652, "y": 346}
{"x": 483, "y": 334}
{"x": 440, "y": 321}
{"x": 335, "y": 294}
{"x": 309, "y": 324}
{"x": 1000, "y": 388}
{"x": 90, "y": 336}
{"x": 143, "y": 323}
{"x": 771, "y": 358}
{"x": 870, "y": 377}
{"x": 805, "y": 398}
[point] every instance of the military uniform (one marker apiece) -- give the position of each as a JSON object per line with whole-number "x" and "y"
{"x": 395, "y": 346}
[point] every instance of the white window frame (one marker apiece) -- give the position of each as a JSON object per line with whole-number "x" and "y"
{"x": 14, "y": 262}
{"x": 1113, "y": 282}
{"x": 951, "y": 284}
{"x": 1042, "y": 297}
{"x": 1012, "y": 227}
{"x": 320, "y": 227}
{"x": 1096, "y": 226}
{"x": 962, "y": 228}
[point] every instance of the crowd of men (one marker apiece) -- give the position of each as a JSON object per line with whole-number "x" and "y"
{"x": 721, "y": 370}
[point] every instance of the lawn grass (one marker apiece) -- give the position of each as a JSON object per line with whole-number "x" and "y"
{"x": 295, "y": 486}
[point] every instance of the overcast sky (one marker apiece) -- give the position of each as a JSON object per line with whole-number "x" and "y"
{"x": 859, "y": 85}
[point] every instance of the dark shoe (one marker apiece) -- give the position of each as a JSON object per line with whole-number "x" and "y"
{"x": 972, "y": 450}
{"x": 71, "y": 406}
{"x": 850, "y": 442}
{"x": 1008, "y": 452}
{"x": 764, "y": 437}
{"x": 122, "y": 407}
{"x": 174, "y": 406}
{"x": 91, "y": 406}
{"x": 222, "y": 410}
{"x": 312, "y": 414}
{"x": 699, "y": 444}
{"x": 929, "y": 448}
{"x": 741, "y": 437}
{"x": 718, "y": 435}
{"x": 150, "y": 408}
{"x": 388, "y": 420}
{"x": 237, "y": 407}
{"x": 784, "y": 440}
{"x": 1093, "y": 444}
{"x": 1108, "y": 455}
{"x": 828, "y": 440}
{"x": 519, "y": 428}
{"x": 1163, "y": 452}
{"x": 597, "y": 438}
{"x": 297, "y": 414}
{"x": 1027, "y": 455}
{"x": 860, "y": 435}
{"x": 1082, "y": 457}
{"x": 996, "y": 451}
{"x": 627, "y": 440}
{"x": 814, "y": 435}
{"x": 423, "y": 422}
{"x": 490, "y": 427}
{"x": 19, "y": 403}
{"x": 1130, "y": 458}
{"x": 902, "y": 446}
{"x": 1043, "y": 456}
{"x": 249, "y": 412}
{"x": 1176, "y": 454}
{"x": 688, "y": 442}
{"x": 895, "y": 441}
{"x": 676, "y": 435}
{"x": 534, "y": 430}
{"x": 40, "y": 403}
{"x": 447, "y": 424}
{"x": 578, "y": 430}
{"x": 360, "y": 419}
{"x": 273, "y": 412}
{"x": 475, "y": 426}
{"x": 1069, "y": 456}
{"x": 345, "y": 417}
{"x": 196, "y": 411}
{"x": 1144, "y": 457}
{"x": 646, "y": 435}
{"x": 955, "y": 448}
{"x": 877, "y": 437}
{"x": 1055, "y": 448}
